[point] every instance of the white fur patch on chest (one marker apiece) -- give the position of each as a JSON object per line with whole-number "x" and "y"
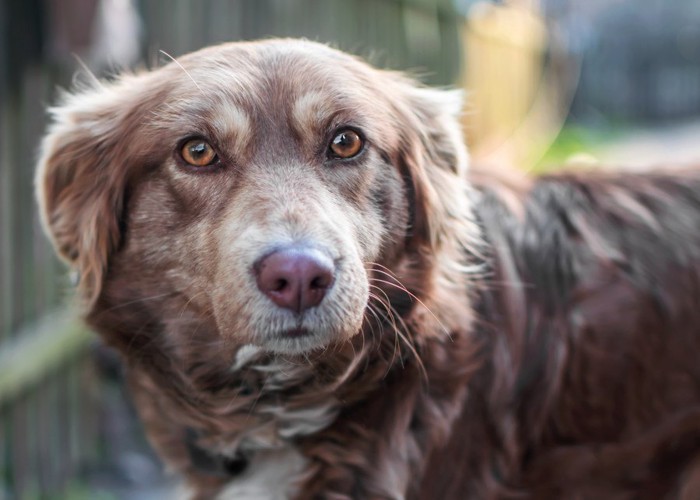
{"x": 270, "y": 475}
{"x": 302, "y": 422}
{"x": 244, "y": 355}
{"x": 275, "y": 467}
{"x": 288, "y": 423}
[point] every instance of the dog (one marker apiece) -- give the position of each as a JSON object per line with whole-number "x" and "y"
{"x": 315, "y": 298}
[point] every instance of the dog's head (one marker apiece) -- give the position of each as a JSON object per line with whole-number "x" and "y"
{"x": 258, "y": 186}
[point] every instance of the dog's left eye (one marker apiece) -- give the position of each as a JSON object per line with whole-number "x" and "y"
{"x": 198, "y": 153}
{"x": 346, "y": 144}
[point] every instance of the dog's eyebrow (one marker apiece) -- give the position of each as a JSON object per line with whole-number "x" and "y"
{"x": 231, "y": 121}
{"x": 310, "y": 110}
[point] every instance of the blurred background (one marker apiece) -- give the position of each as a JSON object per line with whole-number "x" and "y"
{"x": 548, "y": 82}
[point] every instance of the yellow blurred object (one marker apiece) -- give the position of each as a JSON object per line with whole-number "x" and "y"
{"x": 513, "y": 107}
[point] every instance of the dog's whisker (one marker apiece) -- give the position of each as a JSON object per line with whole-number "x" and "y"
{"x": 405, "y": 335}
{"x": 136, "y": 301}
{"x": 182, "y": 68}
{"x": 382, "y": 319}
{"x": 414, "y": 297}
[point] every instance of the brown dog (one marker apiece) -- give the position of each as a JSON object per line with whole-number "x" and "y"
{"x": 312, "y": 301}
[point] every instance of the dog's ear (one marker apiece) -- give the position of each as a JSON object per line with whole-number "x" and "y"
{"x": 82, "y": 174}
{"x": 434, "y": 158}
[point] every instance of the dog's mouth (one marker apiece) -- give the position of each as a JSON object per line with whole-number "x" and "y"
{"x": 294, "y": 333}
{"x": 295, "y": 340}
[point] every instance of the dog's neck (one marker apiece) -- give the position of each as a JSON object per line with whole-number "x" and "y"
{"x": 296, "y": 393}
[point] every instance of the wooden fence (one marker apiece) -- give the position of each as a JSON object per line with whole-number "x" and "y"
{"x": 47, "y": 424}
{"x": 50, "y": 395}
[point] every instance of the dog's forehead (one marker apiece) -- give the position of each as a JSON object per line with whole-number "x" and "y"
{"x": 272, "y": 70}
{"x": 291, "y": 75}
{"x": 243, "y": 88}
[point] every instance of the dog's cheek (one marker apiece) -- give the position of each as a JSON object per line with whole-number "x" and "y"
{"x": 362, "y": 200}
{"x": 390, "y": 202}
{"x": 165, "y": 240}
{"x": 380, "y": 223}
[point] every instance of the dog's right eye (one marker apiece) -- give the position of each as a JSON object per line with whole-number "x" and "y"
{"x": 198, "y": 153}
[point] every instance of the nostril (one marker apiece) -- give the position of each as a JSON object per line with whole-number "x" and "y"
{"x": 319, "y": 282}
{"x": 295, "y": 278}
{"x": 280, "y": 285}
{"x": 322, "y": 279}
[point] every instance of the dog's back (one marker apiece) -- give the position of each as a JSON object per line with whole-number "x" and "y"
{"x": 590, "y": 325}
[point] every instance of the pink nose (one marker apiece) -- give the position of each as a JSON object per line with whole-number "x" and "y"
{"x": 295, "y": 278}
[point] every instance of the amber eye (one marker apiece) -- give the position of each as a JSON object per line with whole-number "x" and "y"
{"x": 346, "y": 144}
{"x": 198, "y": 153}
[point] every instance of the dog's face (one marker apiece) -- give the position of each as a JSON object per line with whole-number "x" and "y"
{"x": 256, "y": 186}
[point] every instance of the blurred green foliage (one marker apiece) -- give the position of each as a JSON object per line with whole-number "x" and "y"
{"x": 574, "y": 143}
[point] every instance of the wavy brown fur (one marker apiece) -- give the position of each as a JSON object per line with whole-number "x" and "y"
{"x": 534, "y": 339}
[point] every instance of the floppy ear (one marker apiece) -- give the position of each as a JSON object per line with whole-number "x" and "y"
{"x": 435, "y": 161}
{"x": 81, "y": 177}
